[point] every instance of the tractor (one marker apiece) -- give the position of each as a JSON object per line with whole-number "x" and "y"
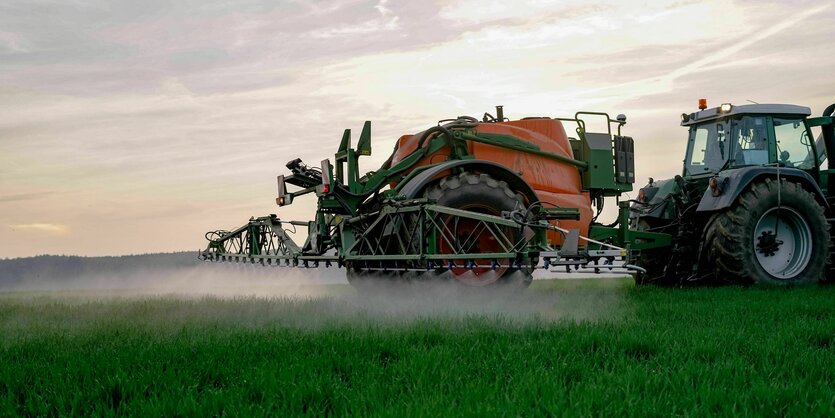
{"x": 752, "y": 204}
{"x": 480, "y": 202}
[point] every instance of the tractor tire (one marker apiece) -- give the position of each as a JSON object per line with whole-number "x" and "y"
{"x": 483, "y": 194}
{"x": 770, "y": 240}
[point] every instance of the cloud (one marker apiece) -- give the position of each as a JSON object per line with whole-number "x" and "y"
{"x": 387, "y": 22}
{"x": 12, "y": 42}
{"x": 100, "y": 48}
{"x": 52, "y": 229}
{"x": 733, "y": 54}
{"x": 382, "y": 8}
{"x": 22, "y": 197}
{"x": 365, "y": 28}
{"x": 759, "y": 34}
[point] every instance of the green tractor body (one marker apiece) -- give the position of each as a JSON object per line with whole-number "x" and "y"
{"x": 752, "y": 202}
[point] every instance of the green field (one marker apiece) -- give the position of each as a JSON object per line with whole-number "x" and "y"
{"x": 563, "y": 348}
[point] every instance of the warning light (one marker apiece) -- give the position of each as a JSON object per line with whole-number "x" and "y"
{"x": 702, "y": 104}
{"x": 326, "y": 176}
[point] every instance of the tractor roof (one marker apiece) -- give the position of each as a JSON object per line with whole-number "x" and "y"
{"x": 760, "y": 109}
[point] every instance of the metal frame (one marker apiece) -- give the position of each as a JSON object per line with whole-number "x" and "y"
{"x": 405, "y": 234}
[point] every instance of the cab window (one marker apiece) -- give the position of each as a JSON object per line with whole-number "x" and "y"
{"x": 707, "y": 150}
{"x": 794, "y": 147}
{"x": 749, "y": 136}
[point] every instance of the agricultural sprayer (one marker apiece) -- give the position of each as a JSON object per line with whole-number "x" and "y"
{"x": 482, "y": 201}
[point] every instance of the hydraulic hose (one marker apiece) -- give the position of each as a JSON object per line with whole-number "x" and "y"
{"x": 429, "y": 132}
{"x": 461, "y": 122}
{"x": 829, "y": 110}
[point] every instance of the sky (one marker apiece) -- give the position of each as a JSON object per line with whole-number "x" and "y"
{"x": 133, "y": 127}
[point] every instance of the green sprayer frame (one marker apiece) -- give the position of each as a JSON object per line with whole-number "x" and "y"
{"x": 360, "y": 225}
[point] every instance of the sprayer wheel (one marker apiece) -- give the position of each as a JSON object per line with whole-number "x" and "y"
{"x": 483, "y": 194}
{"x": 769, "y": 237}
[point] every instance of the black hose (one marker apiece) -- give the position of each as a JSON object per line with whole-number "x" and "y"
{"x": 829, "y": 109}
{"x": 435, "y": 129}
{"x": 462, "y": 125}
{"x": 220, "y": 234}
{"x": 467, "y": 120}
{"x": 613, "y": 224}
{"x": 345, "y": 190}
{"x": 463, "y": 121}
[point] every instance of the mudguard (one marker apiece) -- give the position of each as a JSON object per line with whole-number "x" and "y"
{"x": 418, "y": 183}
{"x": 734, "y": 181}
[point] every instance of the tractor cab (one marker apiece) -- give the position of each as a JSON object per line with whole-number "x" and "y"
{"x": 729, "y": 136}
{"x": 726, "y": 141}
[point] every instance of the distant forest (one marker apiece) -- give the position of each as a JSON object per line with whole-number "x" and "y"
{"x": 51, "y": 268}
{"x": 166, "y": 271}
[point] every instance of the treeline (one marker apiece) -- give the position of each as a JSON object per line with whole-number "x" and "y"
{"x": 16, "y": 271}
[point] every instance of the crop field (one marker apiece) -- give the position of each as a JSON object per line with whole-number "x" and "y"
{"x": 575, "y": 348}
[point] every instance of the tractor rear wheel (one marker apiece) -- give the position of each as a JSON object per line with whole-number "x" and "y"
{"x": 770, "y": 236}
{"x": 483, "y": 194}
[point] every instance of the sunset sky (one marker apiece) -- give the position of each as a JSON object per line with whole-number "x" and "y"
{"x": 136, "y": 126}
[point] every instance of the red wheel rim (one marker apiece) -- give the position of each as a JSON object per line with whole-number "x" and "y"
{"x": 483, "y": 274}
